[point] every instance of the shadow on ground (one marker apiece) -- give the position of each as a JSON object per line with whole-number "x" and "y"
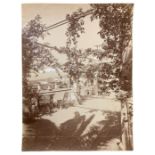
{"x": 44, "y": 135}
{"x": 101, "y": 134}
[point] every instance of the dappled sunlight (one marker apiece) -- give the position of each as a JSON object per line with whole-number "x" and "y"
{"x": 98, "y": 116}
{"x": 74, "y": 128}
{"x": 110, "y": 104}
{"x": 101, "y": 136}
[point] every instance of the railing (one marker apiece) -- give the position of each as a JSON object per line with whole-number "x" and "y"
{"x": 53, "y": 91}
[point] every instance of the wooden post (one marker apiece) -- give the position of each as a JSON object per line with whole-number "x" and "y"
{"x": 126, "y": 124}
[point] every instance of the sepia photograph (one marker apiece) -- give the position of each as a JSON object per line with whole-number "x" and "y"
{"x": 77, "y": 77}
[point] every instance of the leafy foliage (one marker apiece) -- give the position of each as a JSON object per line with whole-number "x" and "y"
{"x": 76, "y": 26}
{"x": 74, "y": 64}
{"x": 115, "y": 21}
{"x": 34, "y": 56}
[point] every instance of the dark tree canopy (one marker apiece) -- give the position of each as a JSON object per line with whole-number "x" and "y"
{"x": 115, "y": 21}
{"x": 34, "y": 56}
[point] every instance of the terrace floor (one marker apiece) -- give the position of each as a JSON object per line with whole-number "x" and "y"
{"x": 92, "y": 125}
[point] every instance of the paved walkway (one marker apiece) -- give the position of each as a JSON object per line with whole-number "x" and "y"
{"x": 90, "y": 121}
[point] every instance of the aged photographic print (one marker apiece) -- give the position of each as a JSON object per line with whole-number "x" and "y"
{"x": 77, "y": 77}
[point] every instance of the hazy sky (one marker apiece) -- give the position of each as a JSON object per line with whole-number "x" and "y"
{"x": 52, "y": 13}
